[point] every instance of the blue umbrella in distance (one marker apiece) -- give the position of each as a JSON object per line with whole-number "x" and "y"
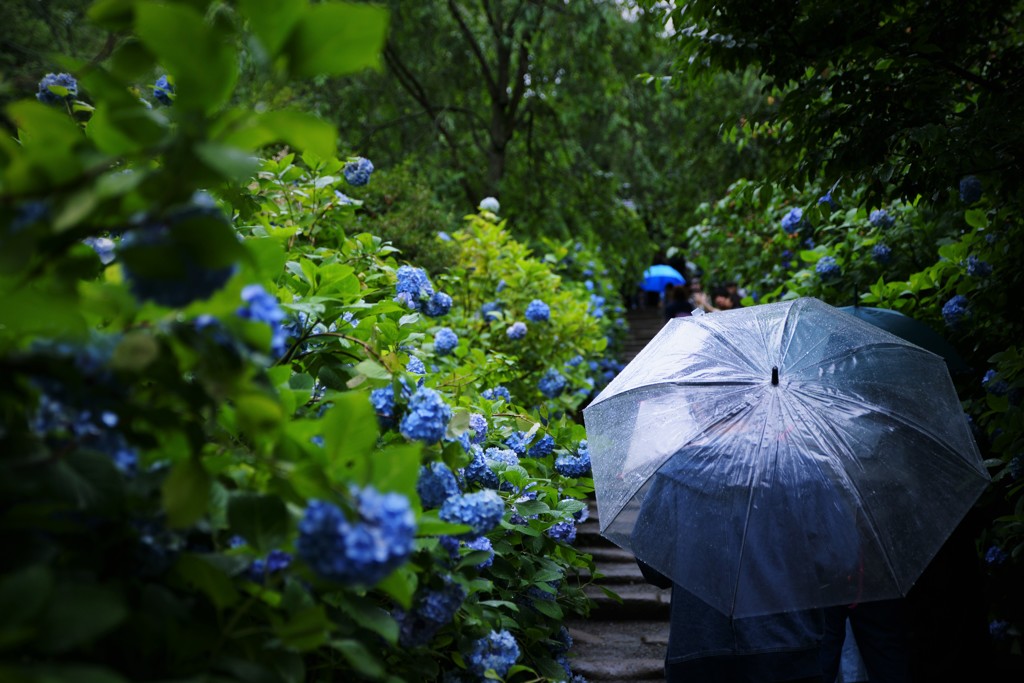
{"x": 656, "y": 278}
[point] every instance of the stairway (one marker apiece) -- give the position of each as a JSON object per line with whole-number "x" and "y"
{"x": 625, "y": 638}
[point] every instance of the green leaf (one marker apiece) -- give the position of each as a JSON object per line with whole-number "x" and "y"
{"x": 360, "y": 658}
{"x": 261, "y": 520}
{"x": 22, "y": 596}
{"x": 337, "y": 39}
{"x": 396, "y": 469}
{"x": 400, "y": 585}
{"x": 232, "y": 163}
{"x": 368, "y": 615}
{"x": 350, "y": 433}
{"x": 306, "y": 629}
{"x": 976, "y": 218}
{"x": 78, "y": 614}
{"x": 208, "y": 579}
{"x": 373, "y": 370}
{"x": 258, "y": 413}
{"x": 298, "y": 129}
{"x": 272, "y": 20}
{"x": 186, "y": 493}
{"x": 202, "y": 58}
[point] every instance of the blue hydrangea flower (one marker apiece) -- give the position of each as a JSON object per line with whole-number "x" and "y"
{"x": 501, "y": 286}
{"x": 574, "y": 361}
{"x": 538, "y": 311}
{"x": 496, "y": 393}
{"x": 163, "y": 91}
{"x": 792, "y": 221}
{"x": 478, "y": 471}
{"x": 828, "y": 200}
{"x": 185, "y": 279}
{"x": 881, "y": 253}
{"x": 104, "y": 248}
{"x": 543, "y": 447}
{"x": 342, "y": 199}
{"x": 516, "y": 331}
{"x": 358, "y": 552}
{"x": 573, "y": 466}
{"x": 995, "y": 556}
{"x": 481, "y": 511}
{"x": 412, "y": 287}
{"x": 497, "y": 651}
{"x": 415, "y": 366}
{"x": 357, "y": 173}
{"x": 999, "y": 629}
{"x": 383, "y": 402}
{"x": 994, "y": 385}
{"x": 427, "y": 417}
{"x": 827, "y": 268}
{"x": 518, "y": 442}
{"x": 28, "y": 214}
{"x": 482, "y": 543}
{"x": 490, "y": 310}
{"x": 596, "y": 306}
{"x": 978, "y": 268}
{"x": 552, "y": 383}
{"x": 431, "y": 610}
{"x": 261, "y": 306}
{"x": 276, "y": 562}
{"x": 66, "y": 81}
{"x": 562, "y": 531}
{"x": 955, "y": 310}
{"x": 504, "y": 456}
{"x": 437, "y": 305}
{"x": 787, "y": 259}
{"x": 436, "y": 482}
{"x": 490, "y": 204}
{"x": 445, "y": 341}
{"x": 478, "y": 426}
{"x": 970, "y": 189}
{"x": 880, "y": 218}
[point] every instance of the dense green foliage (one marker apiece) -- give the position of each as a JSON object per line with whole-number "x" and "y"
{"x": 227, "y": 402}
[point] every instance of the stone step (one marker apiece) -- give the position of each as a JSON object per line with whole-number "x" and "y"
{"x": 631, "y": 602}
{"x": 605, "y": 553}
{"x": 618, "y": 573}
{"x": 616, "y": 651}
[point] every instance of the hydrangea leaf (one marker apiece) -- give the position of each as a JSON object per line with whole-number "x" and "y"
{"x": 337, "y": 39}
{"x": 400, "y": 585}
{"x": 78, "y": 614}
{"x": 186, "y": 493}
{"x": 207, "y": 578}
{"x": 350, "y": 433}
{"x": 261, "y": 520}
{"x": 272, "y": 20}
{"x": 361, "y": 659}
{"x": 368, "y": 615}
{"x": 305, "y": 629}
{"x": 396, "y": 469}
{"x": 298, "y": 129}
{"x": 203, "y": 61}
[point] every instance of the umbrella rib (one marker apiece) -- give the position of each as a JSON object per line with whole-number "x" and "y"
{"x": 896, "y": 417}
{"x": 874, "y": 347}
{"x": 826, "y": 426}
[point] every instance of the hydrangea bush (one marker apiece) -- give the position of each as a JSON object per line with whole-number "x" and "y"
{"x": 232, "y": 447}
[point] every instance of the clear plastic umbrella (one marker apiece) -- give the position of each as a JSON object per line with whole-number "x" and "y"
{"x": 780, "y": 457}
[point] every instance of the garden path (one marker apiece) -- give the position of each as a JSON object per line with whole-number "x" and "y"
{"x": 621, "y": 641}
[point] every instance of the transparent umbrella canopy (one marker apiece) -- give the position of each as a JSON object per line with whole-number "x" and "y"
{"x": 780, "y": 457}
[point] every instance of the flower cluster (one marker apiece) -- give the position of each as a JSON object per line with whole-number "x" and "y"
{"x": 497, "y": 652}
{"x": 414, "y": 290}
{"x": 362, "y": 552}
{"x": 544, "y": 446}
{"x": 431, "y": 610}
{"x": 445, "y": 341}
{"x": 881, "y": 253}
{"x": 438, "y": 305}
{"x": 261, "y": 306}
{"x": 994, "y": 385}
{"x": 415, "y": 366}
{"x": 427, "y": 417}
{"x": 880, "y": 218}
{"x": 562, "y": 531}
{"x": 793, "y": 220}
{"x": 275, "y": 562}
{"x": 978, "y": 268}
{"x": 516, "y": 331}
{"x": 970, "y": 189}
{"x": 827, "y": 268}
{"x": 538, "y": 311}
{"x": 490, "y": 204}
{"x": 482, "y": 544}
{"x": 491, "y": 310}
{"x": 575, "y": 466}
{"x": 955, "y": 310}
{"x": 163, "y": 91}
{"x": 552, "y": 383}
{"x": 383, "y": 402}
{"x": 65, "y": 82}
{"x": 357, "y": 172}
{"x": 436, "y": 482}
{"x": 995, "y": 556}
{"x": 495, "y": 393}
{"x": 478, "y": 426}
{"x": 481, "y": 511}
{"x": 479, "y": 472}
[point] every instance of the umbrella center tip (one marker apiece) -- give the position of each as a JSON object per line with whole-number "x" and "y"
{"x": 775, "y": 376}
